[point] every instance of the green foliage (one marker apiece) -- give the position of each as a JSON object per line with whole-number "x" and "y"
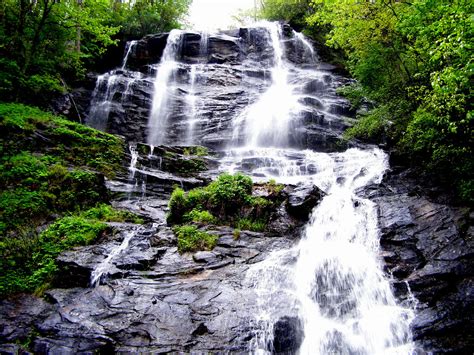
{"x": 196, "y": 150}
{"x": 227, "y": 200}
{"x": 372, "y": 125}
{"x": 29, "y": 128}
{"x": 198, "y": 216}
{"x": 45, "y": 172}
{"x": 292, "y": 11}
{"x": 28, "y": 261}
{"x": 190, "y": 238}
{"x": 144, "y": 17}
{"x": 229, "y": 192}
{"x": 41, "y": 42}
{"x": 251, "y": 225}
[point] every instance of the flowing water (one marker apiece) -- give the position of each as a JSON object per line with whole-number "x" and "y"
{"x": 331, "y": 284}
{"x": 106, "y": 265}
{"x": 114, "y": 83}
{"x": 163, "y": 90}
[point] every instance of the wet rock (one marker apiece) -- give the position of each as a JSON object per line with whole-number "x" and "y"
{"x": 204, "y": 257}
{"x": 429, "y": 250}
{"x": 302, "y": 199}
{"x": 287, "y": 335}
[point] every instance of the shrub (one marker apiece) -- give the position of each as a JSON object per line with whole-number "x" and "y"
{"x": 192, "y": 239}
{"x": 199, "y": 217}
{"x": 229, "y": 192}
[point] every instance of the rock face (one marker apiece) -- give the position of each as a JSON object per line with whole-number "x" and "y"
{"x": 429, "y": 249}
{"x": 216, "y": 77}
{"x": 152, "y": 299}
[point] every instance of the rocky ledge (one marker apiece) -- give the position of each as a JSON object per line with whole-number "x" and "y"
{"x": 428, "y": 248}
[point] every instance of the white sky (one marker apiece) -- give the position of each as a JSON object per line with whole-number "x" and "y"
{"x": 216, "y": 14}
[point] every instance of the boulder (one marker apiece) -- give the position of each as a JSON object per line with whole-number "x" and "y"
{"x": 302, "y": 199}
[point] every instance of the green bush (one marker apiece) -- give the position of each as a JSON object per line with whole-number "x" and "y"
{"x": 228, "y": 200}
{"x": 222, "y": 198}
{"x": 192, "y": 239}
{"x": 229, "y": 192}
{"x": 198, "y": 216}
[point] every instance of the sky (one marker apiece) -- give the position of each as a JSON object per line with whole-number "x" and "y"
{"x": 216, "y": 14}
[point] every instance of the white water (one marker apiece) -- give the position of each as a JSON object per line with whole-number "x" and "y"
{"x": 267, "y": 121}
{"x": 308, "y": 48}
{"x": 332, "y": 280}
{"x": 107, "y": 86}
{"x": 163, "y": 90}
{"x": 191, "y": 99}
{"x": 106, "y": 265}
{"x": 128, "y": 49}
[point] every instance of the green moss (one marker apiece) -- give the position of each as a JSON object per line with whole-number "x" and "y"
{"x": 196, "y": 150}
{"x": 25, "y": 128}
{"x": 190, "y": 238}
{"x": 29, "y": 261}
{"x": 236, "y": 234}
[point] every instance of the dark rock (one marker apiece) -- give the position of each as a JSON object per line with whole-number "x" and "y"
{"x": 430, "y": 256}
{"x": 302, "y": 199}
{"x": 204, "y": 257}
{"x": 287, "y": 335}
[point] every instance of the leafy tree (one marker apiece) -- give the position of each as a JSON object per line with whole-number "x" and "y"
{"x": 45, "y": 43}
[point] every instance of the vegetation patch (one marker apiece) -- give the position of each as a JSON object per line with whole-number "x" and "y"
{"x": 26, "y": 128}
{"x": 51, "y": 172}
{"x": 28, "y": 262}
{"x": 229, "y": 200}
{"x": 190, "y": 238}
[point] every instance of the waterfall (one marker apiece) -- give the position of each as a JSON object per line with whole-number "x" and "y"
{"x": 106, "y": 266}
{"x": 329, "y": 289}
{"x": 128, "y": 49}
{"x": 160, "y": 109}
{"x": 107, "y": 87}
{"x": 266, "y": 122}
{"x": 331, "y": 285}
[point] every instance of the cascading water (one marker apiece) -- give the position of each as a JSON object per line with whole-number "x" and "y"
{"x": 332, "y": 281}
{"x": 160, "y": 113}
{"x": 331, "y": 285}
{"x": 266, "y": 122}
{"x": 106, "y": 265}
{"x": 107, "y": 87}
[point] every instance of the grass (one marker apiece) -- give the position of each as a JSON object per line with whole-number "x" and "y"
{"x": 190, "y": 238}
